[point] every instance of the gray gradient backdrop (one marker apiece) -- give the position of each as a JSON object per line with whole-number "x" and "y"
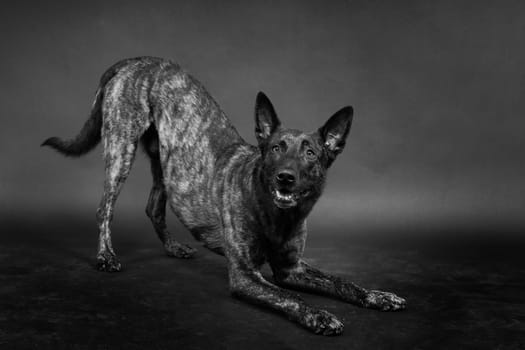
{"x": 437, "y": 86}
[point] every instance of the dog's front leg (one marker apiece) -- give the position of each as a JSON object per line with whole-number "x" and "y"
{"x": 304, "y": 277}
{"x": 251, "y": 286}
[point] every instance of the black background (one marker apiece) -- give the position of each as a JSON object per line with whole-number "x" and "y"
{"x": 435, "y": 154}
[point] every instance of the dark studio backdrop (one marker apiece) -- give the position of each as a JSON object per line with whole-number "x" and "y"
{"x": 438, "y": 90}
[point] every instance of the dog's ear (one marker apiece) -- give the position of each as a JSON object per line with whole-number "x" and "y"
{"x": 266, "y": 121}
{"x": 335, "y": 130}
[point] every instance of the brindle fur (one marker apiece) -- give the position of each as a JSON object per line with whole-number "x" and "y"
{"x": 219, "y": 186}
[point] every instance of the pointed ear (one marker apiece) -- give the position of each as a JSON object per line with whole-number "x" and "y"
{"x": 335, "y": 130}
{"x": 266, "y": 121}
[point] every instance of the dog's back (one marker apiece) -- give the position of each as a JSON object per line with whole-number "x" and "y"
{"x": 196, "y": 143}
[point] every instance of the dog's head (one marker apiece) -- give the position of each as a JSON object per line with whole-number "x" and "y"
{"x": 295, "y": 163}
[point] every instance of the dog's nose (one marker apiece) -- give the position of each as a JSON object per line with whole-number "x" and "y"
{"x": 286, "y": 177}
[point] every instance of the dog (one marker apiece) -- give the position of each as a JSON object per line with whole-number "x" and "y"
{"x": 248, "y": 203}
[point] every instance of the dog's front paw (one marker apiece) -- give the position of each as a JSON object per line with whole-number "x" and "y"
{"x": 322, "y": 322}
{"x": 179, "y": 250}
{"x": 384, "y": 301}
{"x": 108, "y": 262}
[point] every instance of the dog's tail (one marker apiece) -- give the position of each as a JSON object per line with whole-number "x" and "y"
{"x": 90, "y": 134}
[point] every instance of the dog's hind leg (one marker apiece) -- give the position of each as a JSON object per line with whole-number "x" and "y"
{"x": 119, "y": 153}
{"x": 156, "y": 207}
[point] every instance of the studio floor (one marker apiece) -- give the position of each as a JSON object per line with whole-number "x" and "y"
{"x": 464, "y": 291}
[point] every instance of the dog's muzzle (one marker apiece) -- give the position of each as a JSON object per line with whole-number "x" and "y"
{"x": 285, "y": 199}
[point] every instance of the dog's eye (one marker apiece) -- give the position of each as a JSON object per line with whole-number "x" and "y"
{"x": 310, "y": 153}
{"x": 276, "y": 148}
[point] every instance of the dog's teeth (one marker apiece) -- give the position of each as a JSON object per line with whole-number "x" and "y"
{"x": 282, "y": 196}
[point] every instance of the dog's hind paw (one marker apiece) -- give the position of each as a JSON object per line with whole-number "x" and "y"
{"x": 108, "y": 262}
{"x": 179, "y": 250}
{"x": 322, "y": 322}
{"x": 384, "y": 301}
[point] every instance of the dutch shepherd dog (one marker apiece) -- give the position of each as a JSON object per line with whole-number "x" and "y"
{"x": 248, "y": 203}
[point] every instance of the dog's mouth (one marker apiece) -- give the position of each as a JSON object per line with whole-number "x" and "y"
{"x": 285, "y": 199}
